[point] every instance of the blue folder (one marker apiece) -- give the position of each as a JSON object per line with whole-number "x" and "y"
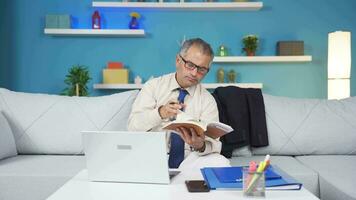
{"x": 233, "y": 174}
{"x": 286, "y": 182}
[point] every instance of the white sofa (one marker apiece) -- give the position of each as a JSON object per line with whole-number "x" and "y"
{"x": 40, "y": 141}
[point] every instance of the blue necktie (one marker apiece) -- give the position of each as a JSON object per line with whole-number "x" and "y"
{"x": 176, "y": 154}
{"x": 182, "y": 94}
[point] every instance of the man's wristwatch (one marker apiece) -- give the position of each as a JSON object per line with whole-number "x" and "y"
{"x": 202, "y": 149}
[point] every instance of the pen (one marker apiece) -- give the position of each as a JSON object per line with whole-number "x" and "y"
{"x": 251, "y": 170}
{"x": 266, "y": 161}
{"x": 173, "y": 103}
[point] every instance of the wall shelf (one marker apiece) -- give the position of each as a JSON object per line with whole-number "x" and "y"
{"x": 96, "y": 32}
{"x": 239, "y": 59}
{"x": 238, "y": 6}
{"x": 206, "y": 85}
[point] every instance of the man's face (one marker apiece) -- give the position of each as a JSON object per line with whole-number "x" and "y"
{"x": 191, "y": 67}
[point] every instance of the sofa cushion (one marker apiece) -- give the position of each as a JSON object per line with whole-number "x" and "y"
{"x": 309, "y": 126}
{"x": 7, "y": 142}
{"x": 337, "y": 177}
{"x": 51, "y": 124}
{"x": 36, "y": 177}
{"x": 290, "y": 165}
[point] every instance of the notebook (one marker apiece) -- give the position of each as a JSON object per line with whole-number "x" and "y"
{"x": 234, "y": 174}
{"x": 286, "y": 182}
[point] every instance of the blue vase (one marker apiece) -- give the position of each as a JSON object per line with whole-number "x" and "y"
{"x": 133, "y": 23}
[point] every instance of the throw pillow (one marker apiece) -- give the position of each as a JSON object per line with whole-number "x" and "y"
{"x": 7, "y": 142}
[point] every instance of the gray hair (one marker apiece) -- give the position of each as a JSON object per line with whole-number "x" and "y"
{"x": 203, "y": 46}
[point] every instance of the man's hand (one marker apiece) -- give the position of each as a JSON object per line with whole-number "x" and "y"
{"x": 191, "y": 137}
{"x": 169, "y": 110}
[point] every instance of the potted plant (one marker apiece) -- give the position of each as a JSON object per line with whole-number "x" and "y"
{"x": 250, "y": 44}
{"x": 76, "y": 80}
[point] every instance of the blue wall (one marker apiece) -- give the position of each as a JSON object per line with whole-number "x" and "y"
{"x": 4, "y": 44}
{"x": 34, "y": 62}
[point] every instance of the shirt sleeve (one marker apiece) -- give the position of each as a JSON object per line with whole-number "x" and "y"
{"x": 210, "y": 114}
{"x": 144, "y": 115}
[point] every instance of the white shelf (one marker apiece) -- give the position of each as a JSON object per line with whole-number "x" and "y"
{"x": 206, "y": 85}
{"x": 237, "y": 59}
{"x": 95, "y": 32}
{"x": 117, "y": 86}
{"x": 242, "y": 6}
{"x": 241, "y": 85}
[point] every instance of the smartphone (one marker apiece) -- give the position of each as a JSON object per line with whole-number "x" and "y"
{"x": 197, "y": 186}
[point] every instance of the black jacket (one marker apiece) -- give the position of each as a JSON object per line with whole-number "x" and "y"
{"x": 244, "y": 111}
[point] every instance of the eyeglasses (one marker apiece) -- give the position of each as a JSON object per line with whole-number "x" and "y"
{"x": 191, "y": 66}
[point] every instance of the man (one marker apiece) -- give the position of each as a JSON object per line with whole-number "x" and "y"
{"x": 157, "y": 104}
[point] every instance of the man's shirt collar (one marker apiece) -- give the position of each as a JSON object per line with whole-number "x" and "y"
{"x": 174, "y": 85}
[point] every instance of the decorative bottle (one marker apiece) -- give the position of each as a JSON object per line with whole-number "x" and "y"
{"x": 220, "y": 75}
{"x": 232, "y": 76}
{"x": 96, "y": 22}
{"x": 134, "y": 20}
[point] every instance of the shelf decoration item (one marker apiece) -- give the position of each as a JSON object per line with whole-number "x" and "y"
{"x": 134, "y": 20}
{"x": 222, "y": 51}
{"x": 115, "y": 65}
{"x": 220, "y": 75}
{"x": 96, "y": 20}
{"x": 138, "y": 80}
{"x": 59, "y": 21}
{"x": 76, "y": 80}
{"x": 115, "y": 73}
{"x": 290, "y": 48}
{"x": 250, "y": 43}
{"x": 231, "y": 76}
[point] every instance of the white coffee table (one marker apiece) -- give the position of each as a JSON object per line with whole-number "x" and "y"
{"x": 80, "y": 188}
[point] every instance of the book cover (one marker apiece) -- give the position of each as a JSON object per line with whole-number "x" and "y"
{"x": 212, "y": 129}
{"x": 234, "y": 174}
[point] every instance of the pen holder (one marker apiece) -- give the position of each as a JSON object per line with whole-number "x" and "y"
{"x": 253, "y": 183}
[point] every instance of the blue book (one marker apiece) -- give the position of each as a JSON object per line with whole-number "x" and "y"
{"x": 234, "y": 174}
{"x": 286, "y": 182}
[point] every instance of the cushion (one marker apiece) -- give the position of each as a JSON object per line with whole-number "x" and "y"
{"x": 290, "y": 165}
{"x": 309, "y": 126}
{"x": 337, "y": 177}
{"x": 34, "y": 177}
{"x": 52, "y": 124}
{"x": 242, "y": 151}
{"x": 7, "y": 142}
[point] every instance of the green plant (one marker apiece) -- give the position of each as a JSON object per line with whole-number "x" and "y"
{"x": 250, "y": 43}
{"x": 76, "y": 80}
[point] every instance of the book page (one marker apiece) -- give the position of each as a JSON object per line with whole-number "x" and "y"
{"x": 213, "y": 129}
{"x": 185, "y": 120}
{"x": 218, "y": 129}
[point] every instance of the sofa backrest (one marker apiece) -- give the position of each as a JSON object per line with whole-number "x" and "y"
{"x": 309, "y": 126}
{"x": 7, "y": 141}
{"x": 51, "y": 124}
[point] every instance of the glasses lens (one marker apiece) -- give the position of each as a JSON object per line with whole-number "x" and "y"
{"x": 190, "y": 65}
{"x": 202, "y": 70}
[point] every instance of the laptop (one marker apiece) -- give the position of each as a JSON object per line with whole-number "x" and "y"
{"x": 130, "y": 157}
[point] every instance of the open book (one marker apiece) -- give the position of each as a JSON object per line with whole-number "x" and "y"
{"x": 213, "y": 129}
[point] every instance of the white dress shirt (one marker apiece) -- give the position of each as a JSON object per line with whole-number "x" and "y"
{"x": 200, "y": 105}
